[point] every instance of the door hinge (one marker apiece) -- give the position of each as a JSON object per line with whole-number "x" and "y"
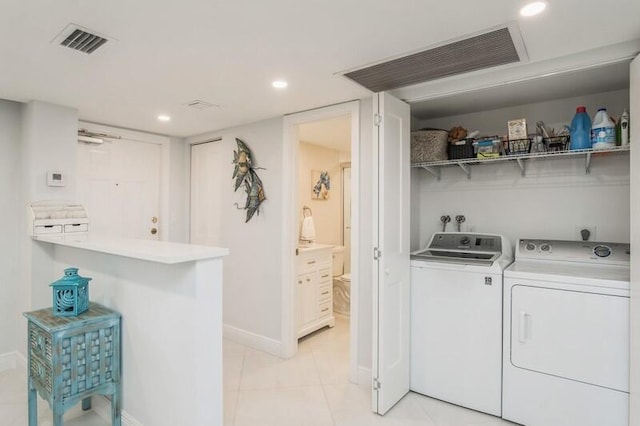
{"x": 377, "y": 119}
{"x": 377, "y": 253}
{"x": 376, "y": 384}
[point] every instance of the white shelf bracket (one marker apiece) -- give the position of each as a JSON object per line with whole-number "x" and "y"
{"x": 436, "y": 171}
{"x": 521, "y": 164}
{"x": 587, "y": 163}
{"x": 466, "y": 169}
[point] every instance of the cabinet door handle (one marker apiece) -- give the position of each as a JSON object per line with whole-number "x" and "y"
{"x": 311, "y": 262}
{"x": 325, "y": 309}
{"x": 299, "y": 281}
{"x": 325, "y": 292}
{"x": 325, "y": 276}
{"x": 308, "y": 279}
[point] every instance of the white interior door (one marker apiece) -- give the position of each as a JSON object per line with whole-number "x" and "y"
{"x": 119, "y": 183}
{"x": 391, "y": 294}
{"x": 206, "y": 193}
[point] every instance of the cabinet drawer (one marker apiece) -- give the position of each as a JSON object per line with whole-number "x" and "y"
{"x": 48, "y": 229}
{"x": 324, "y": 294}
{"x": 76, "y": 227}
{"x": 40, "y": 342}
{"x": 40, "y": 372}
{"x": 325, "y": 275}
{"x": 324, "y": 310}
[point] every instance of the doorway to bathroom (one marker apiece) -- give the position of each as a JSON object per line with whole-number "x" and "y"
{"x": 321, "y": 149}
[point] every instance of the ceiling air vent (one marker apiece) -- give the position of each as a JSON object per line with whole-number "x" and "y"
{"x": 482, "y": 51}
{"x": 80, "y": 39}
{"x": 198, "y": 104}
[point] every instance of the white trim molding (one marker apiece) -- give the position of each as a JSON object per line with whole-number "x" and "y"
{"x": 290, "y": 148}
{"x": 252, "y": 340}
{"x": 102, "y": 407}
{"x": 13, "y": 361}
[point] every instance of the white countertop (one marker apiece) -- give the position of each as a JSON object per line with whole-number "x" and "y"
{"x": 153, "y": 251}
{"x": 313, "y": 247}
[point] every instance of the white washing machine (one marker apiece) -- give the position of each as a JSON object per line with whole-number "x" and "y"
{"x": 456, "y": 319}
{"x": 566, "y": 334}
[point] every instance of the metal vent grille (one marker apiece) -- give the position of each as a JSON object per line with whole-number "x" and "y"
{"x": 198, "y": 104}
{"x": 83, "y": 41}
{"x": 483, "y": 51}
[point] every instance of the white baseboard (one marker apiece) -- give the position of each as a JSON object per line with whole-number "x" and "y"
{"x": 364, "y": 376}
{"x": 13, "y": 360}
{"x": 255, "y": 341}
{"x": 102, "y": 407}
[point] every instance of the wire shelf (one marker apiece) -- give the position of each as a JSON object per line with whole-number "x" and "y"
{"x": 433, "y": 166}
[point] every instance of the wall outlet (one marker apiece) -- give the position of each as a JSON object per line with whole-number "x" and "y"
{"x": 590, "y": 228}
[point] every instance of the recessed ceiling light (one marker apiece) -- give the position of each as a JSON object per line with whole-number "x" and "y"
{"x": 534, "y": 8}
{"x": 279, "y": 84}
{"x": 164, "y": 118}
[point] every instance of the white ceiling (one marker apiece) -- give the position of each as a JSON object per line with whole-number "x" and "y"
{"x": 228, "y": 52}
{"x": 333, "y": 133}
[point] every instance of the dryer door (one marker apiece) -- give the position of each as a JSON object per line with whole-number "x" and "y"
{"x": 575, "y": 335}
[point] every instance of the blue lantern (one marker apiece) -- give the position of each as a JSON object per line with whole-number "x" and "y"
{"x": 70, "y": 294}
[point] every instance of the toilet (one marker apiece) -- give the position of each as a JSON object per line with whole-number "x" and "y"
{"x": 341, "y": 283}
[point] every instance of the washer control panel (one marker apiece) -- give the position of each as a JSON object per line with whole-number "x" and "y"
{"x": 468, "y": 242}
{"x": 580, "y": 251}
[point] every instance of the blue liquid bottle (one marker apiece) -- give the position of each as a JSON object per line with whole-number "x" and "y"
{"x": 580, "y": 129}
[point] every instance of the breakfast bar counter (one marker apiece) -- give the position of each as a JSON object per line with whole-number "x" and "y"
{"x": 170, "y": 298}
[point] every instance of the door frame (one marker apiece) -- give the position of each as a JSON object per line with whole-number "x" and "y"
{"x": 165, "y": 165}
{"x": 290, "y": 172}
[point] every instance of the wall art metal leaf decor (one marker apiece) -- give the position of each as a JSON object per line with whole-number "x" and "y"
{"x": 245, "y": 175}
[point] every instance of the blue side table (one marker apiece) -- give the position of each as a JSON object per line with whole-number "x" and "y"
{"x": 72, "y": 358}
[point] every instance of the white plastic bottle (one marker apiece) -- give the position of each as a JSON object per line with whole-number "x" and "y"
{"x": 603, "y": 131}
{"x": 624, "y": 128}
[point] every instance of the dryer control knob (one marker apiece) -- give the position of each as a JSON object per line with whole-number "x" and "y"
{"x": 545, "y": 247}
{"x": 530, "y": 247}
{"x": 464, "y": 241}
{"x": 602, "y": 251}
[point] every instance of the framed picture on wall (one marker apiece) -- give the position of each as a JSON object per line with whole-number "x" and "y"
{"x": 321, "y": 185}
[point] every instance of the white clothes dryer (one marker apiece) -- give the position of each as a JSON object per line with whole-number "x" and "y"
{"x": 566, "y": 334}
{"x": 456, "y": 319}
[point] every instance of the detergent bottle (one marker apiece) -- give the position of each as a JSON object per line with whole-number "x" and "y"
{"x": 603, "y": 131}
{"x": 580, "y": 129}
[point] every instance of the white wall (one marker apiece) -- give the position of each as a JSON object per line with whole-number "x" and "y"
{"x": 553, "y": 197}
{"x": 10, "y": 261}
{"x": 252, "y": 272}
{"x": 327, "y": 214}
{"x": 50, "y": 137}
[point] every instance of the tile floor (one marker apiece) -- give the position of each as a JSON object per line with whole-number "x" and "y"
{"x": 13, "y": 405}
{"x": 311, "y": 389}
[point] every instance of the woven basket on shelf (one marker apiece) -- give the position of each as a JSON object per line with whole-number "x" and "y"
{"x": 428, "y": 145}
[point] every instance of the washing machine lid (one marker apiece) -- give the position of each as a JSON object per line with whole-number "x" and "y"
{"x": 462, "y": 248}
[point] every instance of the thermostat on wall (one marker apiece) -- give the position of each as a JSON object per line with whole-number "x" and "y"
{"x": 55, "y": 179}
